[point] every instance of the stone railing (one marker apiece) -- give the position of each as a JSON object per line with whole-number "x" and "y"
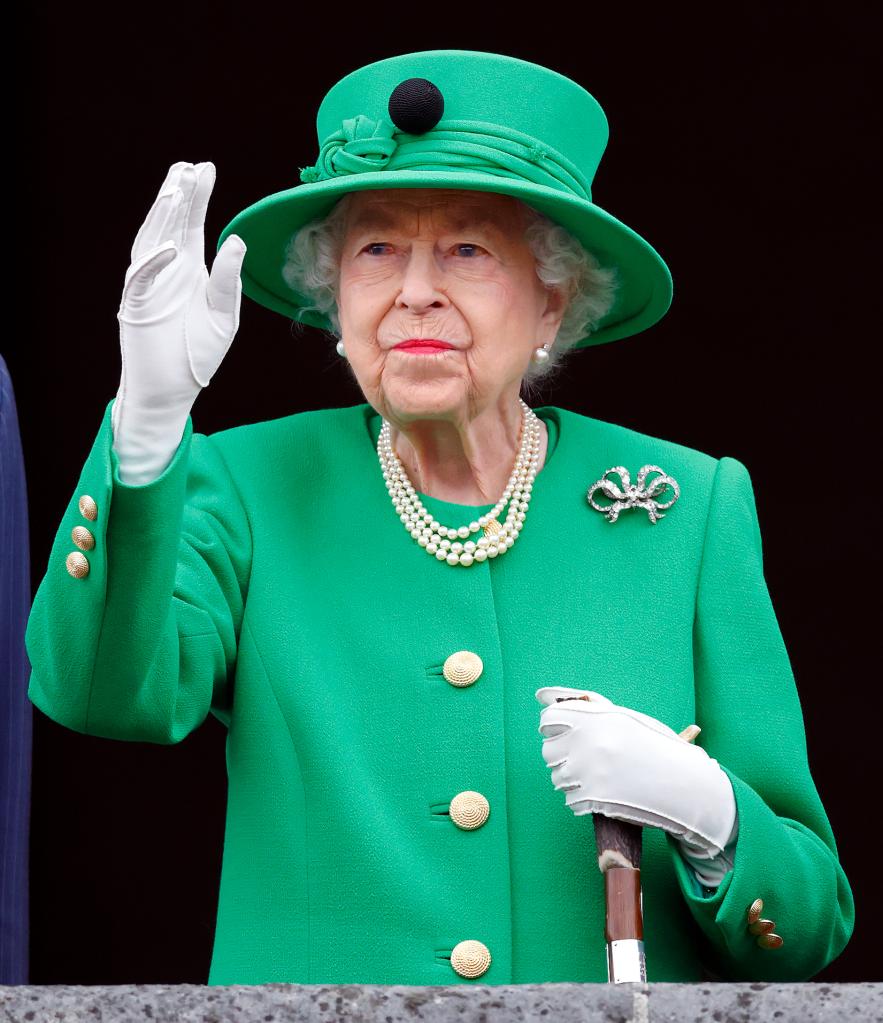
{"x": 459, "y": 1003}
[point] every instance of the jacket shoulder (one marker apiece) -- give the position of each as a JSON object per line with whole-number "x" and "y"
{"x": 300, "y": 431}
{"x": 632, "y": 448}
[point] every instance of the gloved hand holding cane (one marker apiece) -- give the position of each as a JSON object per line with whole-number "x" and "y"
{"x": 176, "y": 322}
{"x": 634, "y": 771}
{"x": 622, "y": 763}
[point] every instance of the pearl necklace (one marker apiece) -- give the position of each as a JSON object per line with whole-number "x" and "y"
{"x": 442, "y": 541}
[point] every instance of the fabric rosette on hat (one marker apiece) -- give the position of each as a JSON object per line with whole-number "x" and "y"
{"x": 458, "y": 119}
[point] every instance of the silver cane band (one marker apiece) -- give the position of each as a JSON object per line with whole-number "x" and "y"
{"x": 625, "y": 961}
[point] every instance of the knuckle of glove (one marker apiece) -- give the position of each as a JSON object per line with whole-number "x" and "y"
{"x": 563, "y": 778}
{"x": 555, "y": 748}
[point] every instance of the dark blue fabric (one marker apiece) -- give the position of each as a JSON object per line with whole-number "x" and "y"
{"x": 16, "y": 720}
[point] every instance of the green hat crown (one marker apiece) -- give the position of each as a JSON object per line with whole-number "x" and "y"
{"x": 482, "y": 105}
{"x": 459, "y": 119}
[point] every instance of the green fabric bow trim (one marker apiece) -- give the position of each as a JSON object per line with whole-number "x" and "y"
{"x": 361, "y": 145}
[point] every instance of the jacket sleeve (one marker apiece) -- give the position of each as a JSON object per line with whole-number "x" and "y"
{"x": 143, "y": 645}
{"x": 752, "y": 724}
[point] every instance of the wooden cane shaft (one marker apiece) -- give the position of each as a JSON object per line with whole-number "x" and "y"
{"x": 622, "y": 893}
{"x": 619, "y": 858}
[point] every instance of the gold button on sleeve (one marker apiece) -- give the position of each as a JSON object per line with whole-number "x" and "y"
{"x": 762, "y": 926}
{"x": 83, "y": 538}
{"x": 754, "y": 911}
{"x": 469, "y": 810}
{"x": 462, "y": 668}
{"x": 470, "y": 958}
{"x": 770, "y": 941}
{"x": 88, "y": 507}
{"x": 77, "y": 564}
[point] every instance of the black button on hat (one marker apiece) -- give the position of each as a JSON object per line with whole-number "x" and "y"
{"x": 416, "y": 106}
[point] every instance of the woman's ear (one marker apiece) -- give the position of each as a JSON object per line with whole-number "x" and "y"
{"x": 557, "y": 301}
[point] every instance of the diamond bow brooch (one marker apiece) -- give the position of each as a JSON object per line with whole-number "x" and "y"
{"x": 634, "y": 496}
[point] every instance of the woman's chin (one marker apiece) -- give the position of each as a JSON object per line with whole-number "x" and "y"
{"x": 415, "y": 398}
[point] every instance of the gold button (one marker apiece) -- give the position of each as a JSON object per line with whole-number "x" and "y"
{"x": 470, "y": 958}
{"x": 88, "y": 507}
{"x": 770, "y": 941}
{"x": 462, "y": 668}
{"x": 82, "y": 538}
{"x": 469, "y": 810}
{"x": 762, "y": 926}
{"x": 754, "y": 911}
{"x": 77, "y": 564}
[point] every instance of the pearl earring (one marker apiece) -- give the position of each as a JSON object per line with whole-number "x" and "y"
{"x": 541, "y": 355}
{"x": 341, "y": 351}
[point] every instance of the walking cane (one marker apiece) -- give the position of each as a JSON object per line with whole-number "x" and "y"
{"x": 619, "y": 860}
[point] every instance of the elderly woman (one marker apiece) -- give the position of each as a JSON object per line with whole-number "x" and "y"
{"x": 409, "y": 802}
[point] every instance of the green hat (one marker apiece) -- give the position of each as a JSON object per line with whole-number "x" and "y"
{"x": 458, "y": 119}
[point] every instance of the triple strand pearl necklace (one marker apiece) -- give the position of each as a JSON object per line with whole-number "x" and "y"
{"x": 446, "y": 542}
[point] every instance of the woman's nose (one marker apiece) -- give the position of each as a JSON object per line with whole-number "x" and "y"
{"x": 422, "y": 283}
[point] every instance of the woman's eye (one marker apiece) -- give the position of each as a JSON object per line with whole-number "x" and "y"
{"x": 375, "y": 248}
{"x": 468, "y": 249}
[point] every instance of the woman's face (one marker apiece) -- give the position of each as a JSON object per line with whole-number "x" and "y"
{"x": 446, "y": 264}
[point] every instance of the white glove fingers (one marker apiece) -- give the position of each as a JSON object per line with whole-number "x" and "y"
{"x": 141, "y": 275}
{"x": 150, "y": 234}
{"x": 205, "y": 181}
{"x": 224, "y": 292}
{"x": 571, "y": 712}
{"x": 563, "y": 777}
{"x": 554, "y": 753}
{"x": 173, "y": 176}
{"x": 555, "y": 729}
{"x": 156, "y": 230}
{"x": 551, "y": 729}
{"x": 555, "y": 748}
{"x": 597, "y": 709}
{"x": 177, "y": 228}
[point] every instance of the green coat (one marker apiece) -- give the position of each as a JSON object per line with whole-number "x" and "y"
{"x": 265, "y": 578}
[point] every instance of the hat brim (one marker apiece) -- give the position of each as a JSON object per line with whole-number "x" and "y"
{"x": 645, "y": 286}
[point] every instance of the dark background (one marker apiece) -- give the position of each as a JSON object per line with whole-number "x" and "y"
{"x": 741, "y": 147}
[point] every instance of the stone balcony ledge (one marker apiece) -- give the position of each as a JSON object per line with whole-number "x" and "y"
{"x": 459, "y": 1003}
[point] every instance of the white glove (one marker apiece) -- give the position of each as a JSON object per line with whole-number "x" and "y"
{"x": 176, "y": 322}
{"x": 621, "y": 763}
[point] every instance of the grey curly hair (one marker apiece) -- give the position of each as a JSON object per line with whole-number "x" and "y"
{"x": 312, "y": 269}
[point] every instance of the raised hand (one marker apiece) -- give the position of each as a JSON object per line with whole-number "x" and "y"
{"x": 177, "y": 322}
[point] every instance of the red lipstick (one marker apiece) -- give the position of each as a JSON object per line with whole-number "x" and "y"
{"x": 423, "y": 344}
